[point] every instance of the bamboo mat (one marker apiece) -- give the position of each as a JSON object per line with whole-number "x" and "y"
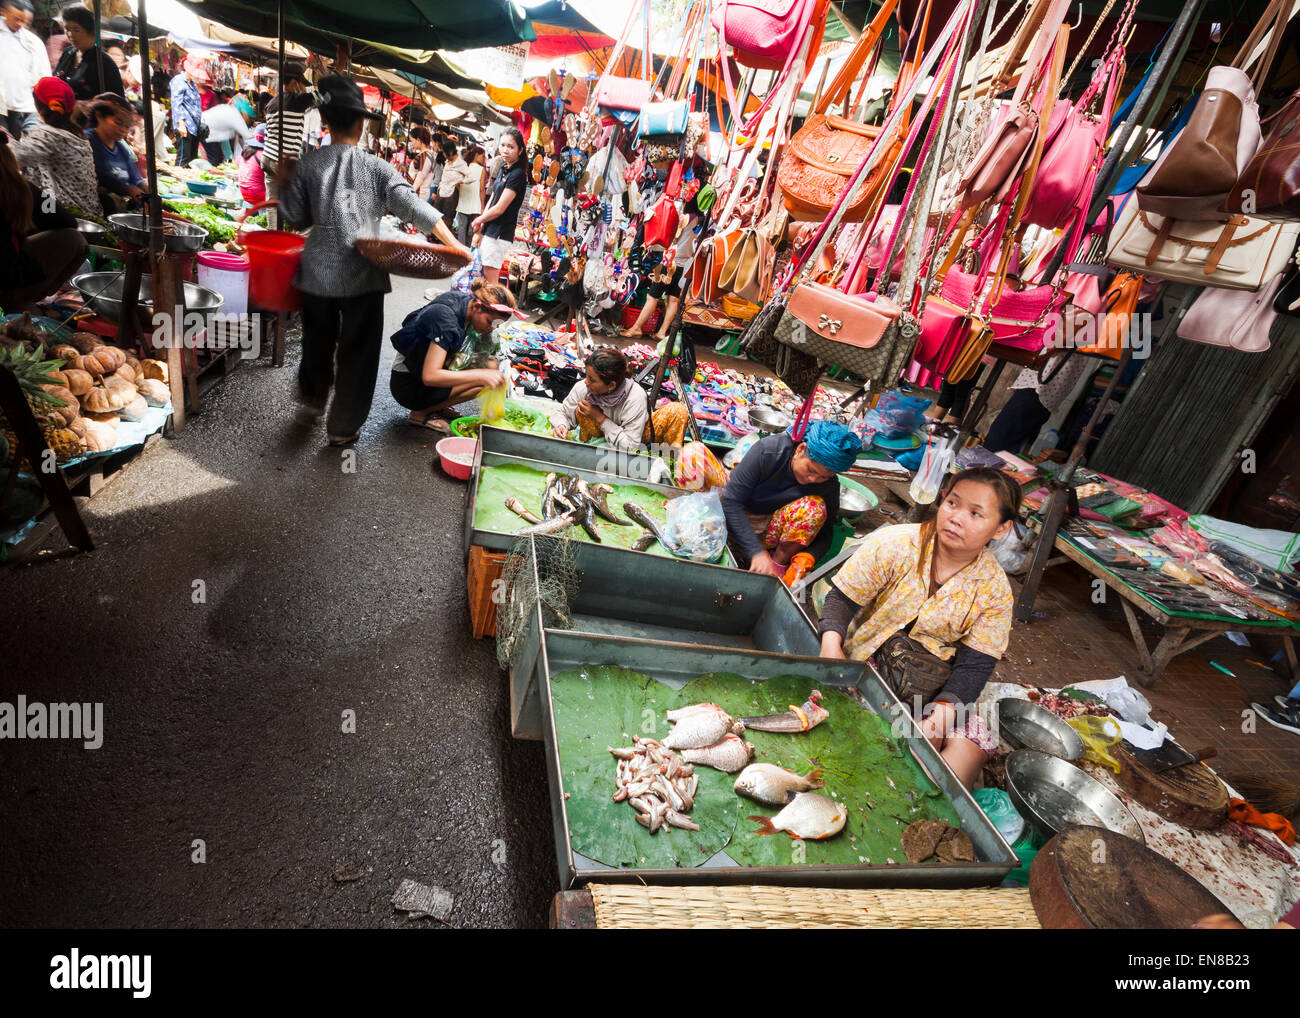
{"x": 635, "y": 906}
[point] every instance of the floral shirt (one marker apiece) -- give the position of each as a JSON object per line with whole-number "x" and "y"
{"x": 60, "y": 163}
{"x": 973, "y": 607}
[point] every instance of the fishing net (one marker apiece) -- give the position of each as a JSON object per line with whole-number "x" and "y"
{"x": 539, "y": 570}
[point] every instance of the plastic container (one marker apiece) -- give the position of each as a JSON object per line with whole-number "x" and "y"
{"x": 630, "y": 313}
{"x": 273, "y": 258}
{"x": 227, "y": 274}
{"x": 457, "y": 456}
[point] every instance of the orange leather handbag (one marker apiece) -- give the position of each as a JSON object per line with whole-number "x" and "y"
{"x": 707, "y": 266}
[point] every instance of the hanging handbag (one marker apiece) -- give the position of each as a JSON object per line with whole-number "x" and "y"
{"x": 662, "y": 222}
{"x": 758, "y": 341}
{"x": 1287, "y": 300}
{"x": 615, "y": 94}
{"x": 1236, "y": 319}
{"x": 1241, "y": 254}
{"x": 1196, "y": 172}
{"x": 706, "y": 269}
{"x": 911, "y": 671}
{"x": 1112, "y": 323}
{"x": 1269, "y": 187}
{"x": 836, "y": 328}
{"x": 664, "y": 120}
{"x": 747, "y": 272}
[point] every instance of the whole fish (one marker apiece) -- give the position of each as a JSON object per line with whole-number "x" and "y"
{"x": 643, "y": 542}
{"x": 698, "y": 728}
{"x": 548, "y": 496}
{"x": 551, "y": 526}
{"x": 587, "y": 517}
{"x": 678, "y": 713}
{"x": 796, "y": 719}
{"x": 728, "y": 754}
{"x": 773, "y": 785}
{"x": 597, "y": 496}
{"x": 518, "y": 508}
{"x": 809, "y": 815}
{"x": 635, "y": 512}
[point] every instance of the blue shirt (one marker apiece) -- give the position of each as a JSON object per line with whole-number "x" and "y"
{"x": 187, "y": 105}
{"x": 115, "y": 168}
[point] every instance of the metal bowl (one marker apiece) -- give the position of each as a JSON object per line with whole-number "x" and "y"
{"x": 1051, "y": 793}
{"x": 93, "y": 232}
{"x": 1028, "y": 726}
{"x": 133, "y": 228}
{"x": 103, "y": 292}
{"x": 769, "y": 421}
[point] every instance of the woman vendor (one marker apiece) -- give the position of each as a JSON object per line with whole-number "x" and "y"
{"x": 40, "y": 247}
{"x": 116, "y": 169}
{"x": 609, "y": 404}
{"x": 779, "y": 496}
{"x": 938, "y": 583}
{"x": 441, "y": 357}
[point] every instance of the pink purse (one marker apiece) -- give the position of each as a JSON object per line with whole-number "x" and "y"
{"x": 1238, "y": 319}
{"x": 622, "y": 93}
{"x": 763, "y": 33}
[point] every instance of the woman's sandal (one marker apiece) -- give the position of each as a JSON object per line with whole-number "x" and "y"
{"x": 433, "y": 423}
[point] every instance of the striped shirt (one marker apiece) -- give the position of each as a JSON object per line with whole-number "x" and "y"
{"x": 294, "y": 125}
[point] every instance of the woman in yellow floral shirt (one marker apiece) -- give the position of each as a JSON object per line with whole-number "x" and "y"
{"x": 939, "y": 579}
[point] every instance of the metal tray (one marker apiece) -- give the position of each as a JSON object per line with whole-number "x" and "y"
{"x": 676, "y": 664}
{"x": 602, "y": 458}
{"x": 672, "y": 601}
{"x": 500, "y": 540}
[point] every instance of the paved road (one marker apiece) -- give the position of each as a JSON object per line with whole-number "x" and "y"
{"x": 326, "y": 591}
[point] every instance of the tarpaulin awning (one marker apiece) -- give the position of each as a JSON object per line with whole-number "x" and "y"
{"x": 420, "y": 24}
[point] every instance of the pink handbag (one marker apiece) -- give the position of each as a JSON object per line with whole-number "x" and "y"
{"x": 763, "y": 33}
{"x": 622, "y": 93}
{"x": 1239, "y": 319}
{"x": 1075, "y": 148}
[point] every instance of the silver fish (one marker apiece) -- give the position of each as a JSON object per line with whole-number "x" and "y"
{"x": 809, "y": 815}
{"x": 639, "y": 515}
{"x": 796, "y": 719}
{"x": 773, "y": 785}
{"x": 551, "y": 526}
{"x": 729, "y": 754}
{"x": 518, "y": 508}
{"x": 676, "y": 819}
{"x": 680, "y": 712}
{"x": 698, "y": 729}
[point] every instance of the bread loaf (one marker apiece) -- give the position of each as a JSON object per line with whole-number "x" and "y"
{"x": 85, "y": 342}
{"x": 126, "y": 373}
{"x": 155, "y": 369}
{"x": 107, "y": 417}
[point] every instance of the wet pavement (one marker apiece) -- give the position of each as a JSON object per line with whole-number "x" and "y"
{"x": 249, "y": 587}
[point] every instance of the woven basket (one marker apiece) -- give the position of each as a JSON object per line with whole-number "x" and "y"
{"x": 412, "y": 258}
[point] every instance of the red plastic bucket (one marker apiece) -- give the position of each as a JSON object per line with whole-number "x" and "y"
{"x": 273, "y": 259}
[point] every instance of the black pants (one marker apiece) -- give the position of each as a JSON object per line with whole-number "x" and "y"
{"x": 341, "y": 341}
{"x": 187, "y": 147}
{"x": 1020, "y": 420}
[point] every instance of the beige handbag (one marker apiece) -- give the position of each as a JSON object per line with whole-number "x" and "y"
{"x": 1242, "y": 253}
{"x": 747, "y": 272}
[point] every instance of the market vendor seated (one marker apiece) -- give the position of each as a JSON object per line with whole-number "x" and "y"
{"x": 444, "y": 351}
{"x": 608, "y": 404}
{"x": 938, "y": 584}
{"x": 779, "y": 496}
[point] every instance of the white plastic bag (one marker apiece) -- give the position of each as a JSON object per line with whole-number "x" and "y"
{"x": 696, "y": 527}
{"x": 1276, "y": 549}
{"x": 614, "y": 182}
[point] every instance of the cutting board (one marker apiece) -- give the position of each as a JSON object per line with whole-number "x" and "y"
{"x": 1190, "y": 795}
{"x": 1089, "y": 878}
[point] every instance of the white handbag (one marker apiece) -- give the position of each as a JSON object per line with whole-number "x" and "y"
{"x": 1242, "y": 253}
{"x": 1232, "y": 318}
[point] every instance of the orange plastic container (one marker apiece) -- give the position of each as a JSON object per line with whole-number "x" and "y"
{"x": 273, "y": 260}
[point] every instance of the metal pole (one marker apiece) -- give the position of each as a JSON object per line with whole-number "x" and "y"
{"x": 279, "y": 108}
{"x": 98, "y": 42}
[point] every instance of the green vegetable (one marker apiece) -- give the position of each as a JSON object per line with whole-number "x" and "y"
{"x": 220, "y": 226}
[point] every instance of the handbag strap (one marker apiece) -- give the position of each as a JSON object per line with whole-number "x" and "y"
{"x": 799, "y": 51}
{"x": 867, "y": 45}
{"x": 1271, "y": 25}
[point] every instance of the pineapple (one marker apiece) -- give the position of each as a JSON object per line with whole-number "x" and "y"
{"x": 32, "y": 373}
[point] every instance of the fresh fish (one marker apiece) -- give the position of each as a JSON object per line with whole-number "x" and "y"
{"x": 639, "y": 515}
{"x": 680, "y": 712}
{"x": 729, "y": 754}
{"x": 598, "y": 497}
{"x": 562, "y": 503}
{"x": 796, "y": 719}
{"x": 621, "y": 794}
{"x": 624, "y": 752}
{"x": 518, "y": 508}
{"x": 773, "y": 785}
{"x": 587, "y": 517}
{"x": 548, "y": 496}
{"x": 669, "y": 792}
{"x": 699, "y": 728}
{"x": 809, "y": 815}
{"x": 643, "y": 542}
{"x": 551, "y": 526}
{"x": 676, "y": 819}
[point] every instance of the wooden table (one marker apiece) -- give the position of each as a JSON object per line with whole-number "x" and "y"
{"x": 1180, "y": 634}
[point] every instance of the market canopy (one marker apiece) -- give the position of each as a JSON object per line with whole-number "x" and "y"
{"x": 419, "y": 24}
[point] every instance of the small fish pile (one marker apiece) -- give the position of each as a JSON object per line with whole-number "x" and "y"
{"x": 708, "y": 735}
{"x": 658, "y": 783}
{"x": 566, "y": 501}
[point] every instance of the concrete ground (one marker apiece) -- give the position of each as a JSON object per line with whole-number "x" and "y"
{"x": 326, "y": 591}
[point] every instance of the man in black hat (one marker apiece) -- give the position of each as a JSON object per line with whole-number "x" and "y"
{"x": 297, "y": 101}
{"x": 341, "y": 191}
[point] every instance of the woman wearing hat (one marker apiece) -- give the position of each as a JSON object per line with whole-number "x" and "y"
{"x": 83, "y": 65}
{"x": 116, "y": 169}
{"x": 252, "y": 177}
{"x": 338, "y": 191}
{"x": 57, "y": 156}
{"x": 187, "y": 108}
{"x": 937, "y": 585}
{"x": 780, "y": 496}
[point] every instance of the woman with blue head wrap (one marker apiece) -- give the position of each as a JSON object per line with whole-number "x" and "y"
{"x": 781, "y": 494}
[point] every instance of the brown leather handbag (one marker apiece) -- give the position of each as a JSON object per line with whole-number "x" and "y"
{"x": 1269, "y": 187}
{"x": 998, "y": 165}
{"x": 910, "y": 670}
{"x": 819, "y": 161}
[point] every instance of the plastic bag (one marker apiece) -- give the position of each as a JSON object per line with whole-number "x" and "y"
{"x": 742, "y": 447}
{"x": 1014, "y": 549}
{"x": 493, "y": 402}
{"x": 1098, "y": 735}
{"x": 997, "y": 806}
{"x": 1277, "y": 549}
{"x": 696, "y": 527}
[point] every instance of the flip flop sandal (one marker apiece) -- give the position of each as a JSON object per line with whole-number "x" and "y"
{"x": 343, "y": 440}
{"x": 435, "y": 424}
{"x": 553, "y": 80}
{"x": 538, "y": 162}
{"x": 567, "y": 86}
{"x": 553, "y": 174}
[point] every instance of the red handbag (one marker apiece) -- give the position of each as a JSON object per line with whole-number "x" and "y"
{"x": 661, "y": 223}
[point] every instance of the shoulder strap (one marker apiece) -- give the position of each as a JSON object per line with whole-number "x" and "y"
{"x": 852, "y": 67}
